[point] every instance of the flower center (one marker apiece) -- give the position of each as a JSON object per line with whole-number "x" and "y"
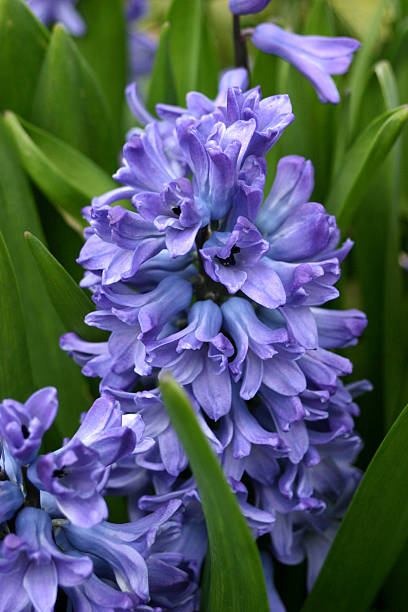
{"x": 25, "y": 432}
{"x": 176, "y": 210}
{"x": 60, "y": 473}
{"x": 230, "y": 260}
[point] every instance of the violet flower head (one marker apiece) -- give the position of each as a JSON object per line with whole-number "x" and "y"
{"x": 223, "y": 286}
{"x": 316, "y": 57}
{"x": 23, "y": 425}
{"x": 63, "y": 11}
{"x": 246, "y": 7}
{"x": 32, "y": 566}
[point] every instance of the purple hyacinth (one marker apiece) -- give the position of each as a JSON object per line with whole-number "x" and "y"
{"x": 316, "y": 57}
{"x": 51, "y": 11}
{"x": 225, "y": 287}
{"x": 32, "y": 566}
{"x": 23, "y": 425}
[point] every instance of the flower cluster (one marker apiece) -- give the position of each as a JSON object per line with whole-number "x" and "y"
{"x": 56, "y": 541}
{"x": 224, "y": 287}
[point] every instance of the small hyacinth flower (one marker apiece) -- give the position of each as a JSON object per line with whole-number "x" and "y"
{"x": 247, "y": 7}
{"x": 142, "y": 50}
{"x": 316, "y": 57}
{"x": 198, "y": 355}
{"x": 77, "y": 473}
{"x": 23, "y": 425}
{"x": 237, "y": 261}
{"x": 136, "y": 9}
{"x": 63, "y": 11}
{"x": 32, "y": 566}
{"x": 173, "y": 209}
{"x": 303, "y": 237}
{"x": 136, "y": 555}
{"x": 95, "y": 594}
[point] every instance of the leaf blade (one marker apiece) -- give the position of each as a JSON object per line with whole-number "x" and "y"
{"x": 162, "y": 87}
{"x": 70, "y": 104}
{"x": 49, "y": 364}
{"x": 104, "y": 47}
{"x": 69, "y": 300}
{"x": 15, "y": 373}
{"x": 376, "y": 521}
{"x": 66, "y": 176}
{"x": 361, "y": 161}
{"x": 236, "y": 582}
{"x": 21, "y": 36}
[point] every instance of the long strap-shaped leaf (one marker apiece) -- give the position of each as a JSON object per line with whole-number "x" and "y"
{"x": 66, "y": 176}
{"x": 69, "y": 301}
{"x": 162, "y": 87}
{"x": 236, "y": 578}
{"x": 70, "y": 103}
{"x": 15, "y": 371}
{"x": 372, "y": 534}
{"x": 361, "y": 161}
{"x": 49, "y": 364}
{"x": 21, "y": 36}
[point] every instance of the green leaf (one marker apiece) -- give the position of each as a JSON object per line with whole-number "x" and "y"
{"x": 388, "y": 84}
{"x": 264, "y": 73}
{"x": 104, "y": 47}
{"x": 185, "y": 19}
{"x": 361, "y": 162}
{"x": 23, "y": 43}
{"x": 162, "y": 87}
{"x": 207, "y": 78}
{"x": 319, "y": 20}
{"x": 49, "y": 364}
{"x": 68, "y": 178}
{"x": 236, "y": 578}
{"x": 394, "y": 315}
{"x": 69, "y": 300}
{"x": 372, "y": 533}
{"x": 192, "y": 54}
{"x": 70, "y": 104}
{"x": 15, "y": 373}
{"x": 361, "y": 67}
